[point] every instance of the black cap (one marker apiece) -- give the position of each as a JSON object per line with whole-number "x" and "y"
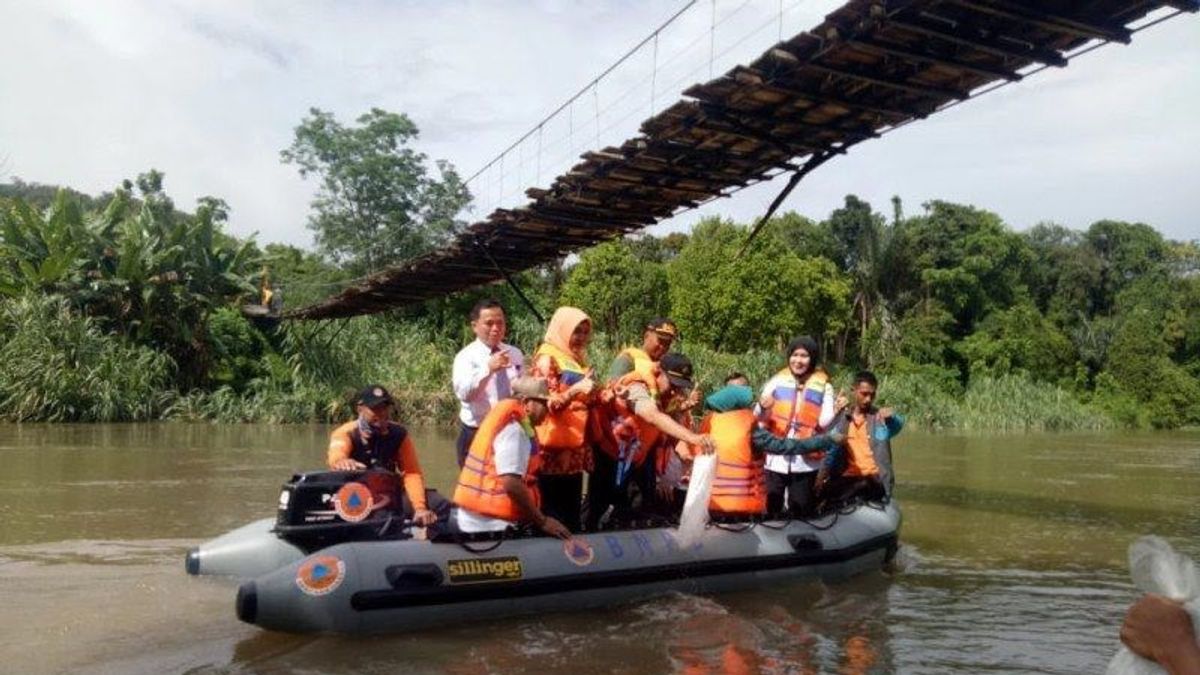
{"x": 678, "y": 369}
{"x": 373, "y": 396}
{"x": 663, "y": 326}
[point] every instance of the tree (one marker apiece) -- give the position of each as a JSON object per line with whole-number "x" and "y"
{"x": 965, "y": 259}
{"x": 139, "y": 268}
{"x": 1019, "y": 339}
{"x": 760, "y": 299}
{"x": 804, "y": 237}
{"x": 618, "y": 291}
{"x": 376, "y": 205}
{"x": 1127, "y": 252}
{"x": 863, "y": 242}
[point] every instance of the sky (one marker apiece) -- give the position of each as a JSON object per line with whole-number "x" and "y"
{"x": 210, "y": 92}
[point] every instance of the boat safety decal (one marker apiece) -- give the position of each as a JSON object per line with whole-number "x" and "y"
{"x": 353, "y": 502}
{"x": 484, "y": 570}
{"x": 321, "y": 574}
{"x": 579, "y": 551}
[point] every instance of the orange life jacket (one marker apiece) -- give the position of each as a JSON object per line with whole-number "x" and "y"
{"x": 739, "y": 484}
{"x": 479, "y": 488}
{"x": 619, "y": 432}
{"x": 797, "y": 410}
{"x": 642, "y": 363}
{"x": 566, "y": 428}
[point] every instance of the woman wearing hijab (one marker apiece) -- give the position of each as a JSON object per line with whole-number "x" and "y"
{"x": 562, "y": 361}
{"x": 798, "y": 402}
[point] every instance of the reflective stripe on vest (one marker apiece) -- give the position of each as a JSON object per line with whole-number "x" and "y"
{"x": 565, "y": 429}
{"x": 479, "y": 488}
{"x": 739, "y": 484}
{"x": 797, "y": 410}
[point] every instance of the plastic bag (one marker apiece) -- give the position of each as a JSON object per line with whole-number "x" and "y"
{"x": 695, "y": 506}
{"x": 1158, "y": 568}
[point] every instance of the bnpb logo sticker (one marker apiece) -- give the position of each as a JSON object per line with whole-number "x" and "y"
{"x": 353, "y": 502}
{"x": 579, "y": 551}
{"x": 321, "y": 574}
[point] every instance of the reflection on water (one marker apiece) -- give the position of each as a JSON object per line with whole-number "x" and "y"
{"x": 1012, "y": 560}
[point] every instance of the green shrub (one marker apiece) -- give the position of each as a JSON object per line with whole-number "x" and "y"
{"x": 57, "y": 366}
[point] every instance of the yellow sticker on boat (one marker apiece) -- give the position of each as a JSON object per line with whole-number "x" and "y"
{"x": 484, "y": 570}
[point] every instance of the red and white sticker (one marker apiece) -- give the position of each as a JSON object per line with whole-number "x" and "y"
{"x": 321, "y": 574}
{"x": 353, "y": 502}
{"x": 579, "y": 551}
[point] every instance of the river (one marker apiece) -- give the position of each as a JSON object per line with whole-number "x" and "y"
{"x": 1012, "y": 560}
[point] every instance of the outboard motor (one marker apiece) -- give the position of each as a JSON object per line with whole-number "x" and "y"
{"x": 323, "y": 508}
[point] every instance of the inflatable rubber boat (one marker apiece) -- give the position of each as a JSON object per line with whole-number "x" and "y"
{"x": 340, "y": 558}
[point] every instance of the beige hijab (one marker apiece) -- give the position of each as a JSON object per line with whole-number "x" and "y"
{"x": 562, "y": 325}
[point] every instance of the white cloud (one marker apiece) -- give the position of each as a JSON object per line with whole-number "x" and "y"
{"x": 210, "y": 92}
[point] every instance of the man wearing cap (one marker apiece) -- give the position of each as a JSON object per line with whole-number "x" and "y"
{"x": 497, "y": 487}
{"x": 483, "y": 370}
{"x": 375, "y": 441}
{"x": 627, "y": 423}
{"x": 657, "y": 338}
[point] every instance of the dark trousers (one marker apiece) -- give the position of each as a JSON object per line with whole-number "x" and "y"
{"x": 466, "y": 434}
{"x": 799, "y": 489}
{"x": 561, "y": 498}
{"x": 845, "y": 488}
{"x": 603, "y": 490}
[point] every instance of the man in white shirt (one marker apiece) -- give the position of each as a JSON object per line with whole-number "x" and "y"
{"x": 483, "y": 370}
{"x": 497, "y": 488}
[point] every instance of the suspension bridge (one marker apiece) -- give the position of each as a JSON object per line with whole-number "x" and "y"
{"x": 869, "y": 68}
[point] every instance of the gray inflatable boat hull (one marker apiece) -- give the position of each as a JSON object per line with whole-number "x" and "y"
{"x": 373, "y": 587}
{"x": 247, "y": 552}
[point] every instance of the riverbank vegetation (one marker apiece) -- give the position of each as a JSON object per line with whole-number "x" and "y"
{"x": 123, "y": 307}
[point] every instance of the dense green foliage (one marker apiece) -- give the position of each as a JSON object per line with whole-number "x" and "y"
{"x": 59, "y": 366}
{"x": 621, "y": 292}
{"x": 125, "y": 308}
{"x": 761, "y": 298}
{"x": 377, "y": 205}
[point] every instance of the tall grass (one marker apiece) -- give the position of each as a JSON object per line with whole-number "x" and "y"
{"x": 328, "y": 368}
{"x": 58, "y": 366}
{"x": 1005, "y": 403}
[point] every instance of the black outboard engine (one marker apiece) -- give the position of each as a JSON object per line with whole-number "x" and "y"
{"x": 323, "y": 508}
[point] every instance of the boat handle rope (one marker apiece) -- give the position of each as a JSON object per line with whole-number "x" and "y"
{"x": 458, "y": 539}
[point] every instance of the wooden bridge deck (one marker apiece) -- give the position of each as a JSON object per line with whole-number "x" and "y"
{"x": 869, "y": 66}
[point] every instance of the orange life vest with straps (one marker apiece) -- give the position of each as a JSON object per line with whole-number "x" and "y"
{"x": 479, "y": 487}
{"x": 566, "y": 428}
{"x": 619, "y": 432}
{"x": 642, "y": 363}
{"x": 739, "y": 484}
{"x": 797, "y": 409}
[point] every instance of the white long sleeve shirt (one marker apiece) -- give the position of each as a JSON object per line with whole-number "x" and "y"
{"x": 475, "y": 384}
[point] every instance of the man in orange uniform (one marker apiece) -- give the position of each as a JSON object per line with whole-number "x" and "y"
{"x": 497, "y": 487}
{"x": 863, "y": 467}
{"x": 375, "y": 441}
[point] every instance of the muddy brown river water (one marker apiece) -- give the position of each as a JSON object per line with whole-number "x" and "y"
{"x": 1012, "y": 560}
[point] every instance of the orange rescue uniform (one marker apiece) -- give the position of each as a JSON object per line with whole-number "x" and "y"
{"x": 392, "y": 450}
